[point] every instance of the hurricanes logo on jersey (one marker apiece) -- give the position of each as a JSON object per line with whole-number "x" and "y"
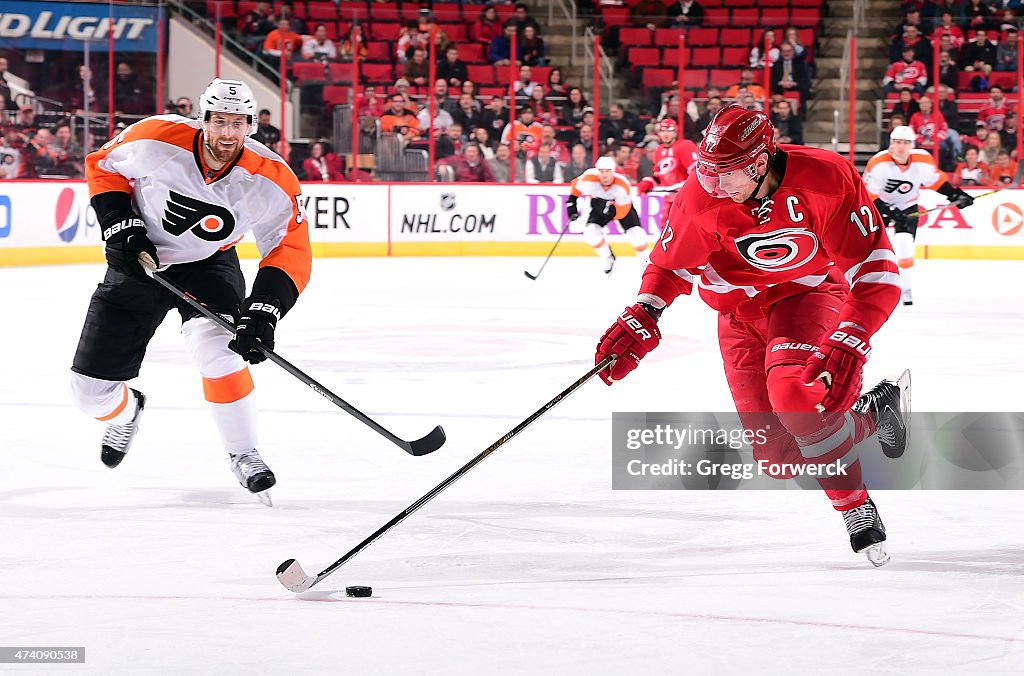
{"x": 779, "y": 250}
{"x": 210, "y": 222}
{"x": 899, "y": 186}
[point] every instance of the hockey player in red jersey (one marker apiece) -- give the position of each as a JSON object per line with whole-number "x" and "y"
{"x": 673, "y": 161}
{"x": 177, "y": 194}
{"x": 786, "y": 244}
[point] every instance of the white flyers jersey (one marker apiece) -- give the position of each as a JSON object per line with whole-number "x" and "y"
{"x": 190, "y": 211}
{"x": 588, "y": 184}
{"x": 898, "y": 185}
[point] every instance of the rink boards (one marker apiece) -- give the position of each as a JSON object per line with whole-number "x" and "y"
{"x": 47, "y": 222}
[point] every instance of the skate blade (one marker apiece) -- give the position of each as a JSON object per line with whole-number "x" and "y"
{"x": 877, "y": 555}
{"x": 264, "y": 497}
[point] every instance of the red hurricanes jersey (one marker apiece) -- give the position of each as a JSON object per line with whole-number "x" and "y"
{"x": 818, "y": 225}
{"x": 672, "y": 164}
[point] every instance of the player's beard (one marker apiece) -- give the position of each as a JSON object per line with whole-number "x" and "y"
{"x": 221, "y": 154}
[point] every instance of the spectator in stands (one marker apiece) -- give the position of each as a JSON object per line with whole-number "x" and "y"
{"x": 543, "y": 110}
{"x": 978, "y": 54}
{"x": 371, "y": 102}
{"x": 525, "y": 84}
{"x": 495, "y": 117}
{"x": 747, "y": 100}
{"x": 131, "y": 96}
{"x": 10, "y": 155}
{"x": 322, "y": 165}
{"x": 450, "y": 142}
{"x": 626, "y": 164}
{"x": 534, "y": 50}
{"x": 295, "y": 24}
{"x": 524, "y": 133}
{"x": 685, "y": 13}
{"x": 758, "y": 51}
{"x": 410, "y": 37}
{"x": 929, "y": 126}
{"x": 468, "y": 114}
{"x": 69, "y": 154}
{"x": 487, "y": 146}
{"x": 792, "y": 37}
{"x": 978, "y": 15}
{"x": 911, "y": 38}
{"x": 790, "y": 128}
{"x": 650, "y": 14}
{"x": 39, "y": 156}
{"x": 579, "y": 161}
{"x": 183, "y": 106}
{"x": 711, "y": 108}
{"x": 950, "y": 111}
{"x": 543, "y": 167}
{"x": 282, "y": 39}
{"x": 499, "y": 53}
{"x": 487, "y": 26}
{"x": 559, "y": 150}
{"x": 443, "y": 120}
{"x": 908, "y": 72}
{"x": 906, "y": 105}
{"x": 556, "y": 83}
{"x": 417, "y": 70}
{"x": 912, "y": 17}
{"x": 990, "y": 150}
{"x": 256, "y": 25}
{"x": 572, "y": 109}
{"x": 522, "y": 19}
{"x": 1004, "y": 171}
{"x": 1006, "y": 52}
{"x": 995, "y": 109}
{"x": 25, "y": 122}
{"x": 400, "y": 120}
{"x": 471, "y": 167}
{"x": 5, "y": 88}
{"x": 266, "y": 133}
{"x": 500, "y": 165}
{"x": 949, "y": 74}
{"x": 620, "y": 125}
{"x": 971, "y": 172}
{"x": 980, "y": 136}
{"x": 948, "y": 27}
{"x": 442, "y": 100}
{"x": 746, "y": 82}
{"x": 402, "y": 87}
{"x": 1008, "y": 134}
{"x": 895, "y": 120}
{"x": 451, "y": 68}
{"x": 586, "y": 139}
{"x": 321, "y": 48}
{"x": 946, "y": 45}
{"x": 789, "y": 73}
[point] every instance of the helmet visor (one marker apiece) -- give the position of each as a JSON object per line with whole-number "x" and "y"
{"x": 723, "y": 184}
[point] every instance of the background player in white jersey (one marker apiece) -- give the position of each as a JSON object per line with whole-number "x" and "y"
{"x": 610, "y": 201}
{"x": 177, "y": 194}
{"x": 894, "y": 178}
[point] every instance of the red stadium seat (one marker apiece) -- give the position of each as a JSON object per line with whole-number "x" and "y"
{"x": 447, "y": 13}
{"x": 644, "y": 56}
{"x": 723, "y": 78}
{"x": 334, "y": 95}
{"x": 703, "y": 56}
{"x": 457, "y": 32}
{"x": 322, "y": 11}
{"x": 746, "y": 17}
{"x": 735, "y": 56}
{"x": 342, "y": 72}
{"x": 670, "y": 57}
{"x": 389, "y": 11}
{"x": 695, "y": 78}
{"x": 658, "y": 77}
{"x": 304, "y": 72}
{"x": 805, "y": 16}
{"x": 383, "y": 30}
{"x": 615, "y": 16}
{"x": 666, "y": 37}
{"x": 736, "y": 37}
{"x": 379, "y": 51}
{"x": 794, "y": 101}
{"x": 540, "y": 73}
{"x": 225, "y": 7}
{"x": 481, "y": 75}
{"x": 716, "y": 17}
{"x": 377, "y": 73}
{"x": 702, "y": 37}
{"x": 637, "y": 37}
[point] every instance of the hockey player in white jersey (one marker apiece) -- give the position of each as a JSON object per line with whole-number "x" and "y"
{"x": 894, "y": 178}
{"x": 177, "y": 194}
{"x": 610, "y": 201}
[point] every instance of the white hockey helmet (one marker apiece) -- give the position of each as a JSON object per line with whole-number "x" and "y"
{"x": 902, "y": 133}
{"x": 606, "y": 163}
{"x": 229, "y": 96}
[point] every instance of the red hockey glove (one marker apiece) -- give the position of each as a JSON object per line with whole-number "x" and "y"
{"x": 634, "y": 334}
{"x": 839, "y": 363}
{"x": 646, "y": 185}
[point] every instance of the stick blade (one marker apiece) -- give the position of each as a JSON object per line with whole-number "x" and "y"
{"x": 533, "y": 277}
{"x": 293, "y": 578}
{"x": 427, "y": 444}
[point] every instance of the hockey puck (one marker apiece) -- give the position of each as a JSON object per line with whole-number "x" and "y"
{"x": 359, "y": 592}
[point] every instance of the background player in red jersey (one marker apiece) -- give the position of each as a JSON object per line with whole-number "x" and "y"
{"x": 786, "y": 244}
{"x": 673, "y": 161}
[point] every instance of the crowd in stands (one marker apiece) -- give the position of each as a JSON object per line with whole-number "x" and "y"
{"x": 975, "y": 128}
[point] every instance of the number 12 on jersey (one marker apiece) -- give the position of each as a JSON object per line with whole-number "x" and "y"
{"x": 864, "y": 211}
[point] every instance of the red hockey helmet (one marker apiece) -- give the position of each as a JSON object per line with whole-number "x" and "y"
{"x": 733, "y": 141}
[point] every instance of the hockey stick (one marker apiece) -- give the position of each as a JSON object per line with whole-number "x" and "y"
{"x": 427, "y": 444}
{"x": 949, "y": 204}
{"x": 291, "y": 575}
{"x": 560, "y": 235}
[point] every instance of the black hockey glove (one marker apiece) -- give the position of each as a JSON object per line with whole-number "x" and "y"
{"x": 601, "y": 211}
{"x": 571, "y": 209}
{"x": 957, "y": 197}
{"x": 256, "y": 324}
{"x": 126, "y": 240}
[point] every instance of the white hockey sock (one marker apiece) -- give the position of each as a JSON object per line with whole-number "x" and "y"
{"x": 108, "y": 401}
{"x": 903, "y": 245}
{"x": 227, "y": 384}
{"x": 638, "y": 238}
{"x": 593, "y": 234}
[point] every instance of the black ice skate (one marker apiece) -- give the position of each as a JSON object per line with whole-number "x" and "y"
{"x": 117, "y": 439}
{"x": 609, "y": 263}
{"x": 907, "y": 297}
{"x": 867, "y": 534}
{"x": 888, "y": 404}
{"x": 253, "y": 473}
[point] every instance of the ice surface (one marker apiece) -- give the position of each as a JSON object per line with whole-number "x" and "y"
{"x": 530, "y": 563}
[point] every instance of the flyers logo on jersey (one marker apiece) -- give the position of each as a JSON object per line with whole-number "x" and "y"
{"x": 896, "y": 185}
{"x": 780, "y": 250}
{"x": 209, "y": 222}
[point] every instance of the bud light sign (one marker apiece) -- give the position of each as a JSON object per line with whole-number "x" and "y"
{"x": 64, "y": 25}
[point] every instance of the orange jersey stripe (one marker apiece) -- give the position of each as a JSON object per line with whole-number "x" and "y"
{"x": 120, "y": 407}
{"x": 165, "y": 131}
{"x": 228, "y": 389}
